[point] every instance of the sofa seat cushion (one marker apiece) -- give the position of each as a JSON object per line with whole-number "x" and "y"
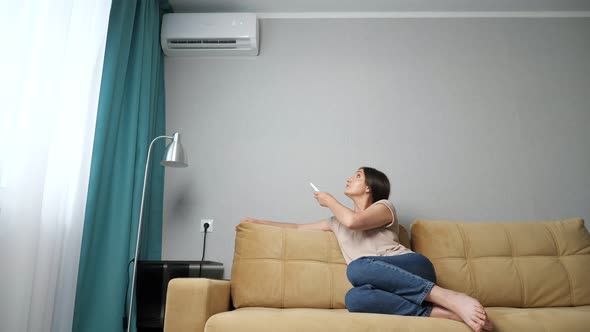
{"x": 556, "y": 319}
{"x": 255, "y": 319}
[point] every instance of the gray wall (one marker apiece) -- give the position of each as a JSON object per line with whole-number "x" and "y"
{"x": 472, "y": 119}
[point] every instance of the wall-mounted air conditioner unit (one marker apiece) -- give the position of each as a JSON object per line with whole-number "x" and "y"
{"x": 187, "y": 34}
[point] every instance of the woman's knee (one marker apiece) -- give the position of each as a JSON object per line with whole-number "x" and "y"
{"x": 421, "y": 266}
{"x": 354, "y": 271}
{"x": 430, "y": 272}
{"x": 355, "y": 299}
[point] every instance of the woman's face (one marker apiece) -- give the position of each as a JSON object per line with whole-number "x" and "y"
{"x": 356, "y": 185}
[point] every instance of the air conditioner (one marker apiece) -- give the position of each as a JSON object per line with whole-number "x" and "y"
{"x": 187, "y": 34}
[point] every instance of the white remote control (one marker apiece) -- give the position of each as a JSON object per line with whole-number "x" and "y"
{"x": 314, "y": 187}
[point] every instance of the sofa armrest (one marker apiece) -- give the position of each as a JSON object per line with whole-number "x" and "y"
{"x": 191, "y": 301}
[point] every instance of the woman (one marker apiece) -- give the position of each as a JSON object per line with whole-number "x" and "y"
{"x": 388, "y": 278}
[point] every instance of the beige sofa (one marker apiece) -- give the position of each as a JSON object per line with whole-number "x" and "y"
{"x": 531, "y": 276}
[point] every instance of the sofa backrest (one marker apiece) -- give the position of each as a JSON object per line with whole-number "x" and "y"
{"x": 515, "y": 264}
{"x": 288, "y": 268}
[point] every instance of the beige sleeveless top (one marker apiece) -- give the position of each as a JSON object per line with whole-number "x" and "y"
{"x": 380, "y": 241}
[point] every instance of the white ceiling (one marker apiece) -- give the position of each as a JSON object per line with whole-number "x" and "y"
{"x": 400, "y": 6}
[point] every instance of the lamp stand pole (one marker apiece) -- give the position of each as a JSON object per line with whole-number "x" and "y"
{"x": 147, "y": 166}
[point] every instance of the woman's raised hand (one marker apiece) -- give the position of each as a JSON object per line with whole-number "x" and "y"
{"x": 323, "y": 198}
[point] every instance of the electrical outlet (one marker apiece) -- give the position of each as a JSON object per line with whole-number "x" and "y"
{"x": 206, "y": 221}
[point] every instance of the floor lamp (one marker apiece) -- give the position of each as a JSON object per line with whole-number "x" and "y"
{"x": 173, "y": 157}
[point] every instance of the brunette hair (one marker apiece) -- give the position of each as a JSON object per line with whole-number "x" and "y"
{"x": 377, "y": 182}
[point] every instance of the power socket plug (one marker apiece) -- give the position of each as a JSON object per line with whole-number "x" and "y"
{"x": 206, "y": 221}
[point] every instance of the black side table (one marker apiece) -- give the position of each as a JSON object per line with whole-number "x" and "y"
{"x": 152, "y": 285}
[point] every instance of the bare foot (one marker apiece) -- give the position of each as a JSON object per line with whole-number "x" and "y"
{"x": 469, "y": 309}
{"x": 442, "y": 312}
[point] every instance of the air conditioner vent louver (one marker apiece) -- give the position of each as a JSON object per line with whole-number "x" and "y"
{"x": 200, "y": 41}
{"x": 211, "y": 44}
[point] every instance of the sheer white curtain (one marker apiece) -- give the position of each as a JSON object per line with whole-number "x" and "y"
{"x": 51, "y": 67}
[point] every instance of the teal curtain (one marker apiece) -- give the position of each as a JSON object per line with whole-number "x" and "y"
{"x": 131, "y": 112}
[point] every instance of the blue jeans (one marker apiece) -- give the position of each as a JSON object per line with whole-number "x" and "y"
{"x": 391, "y": 285}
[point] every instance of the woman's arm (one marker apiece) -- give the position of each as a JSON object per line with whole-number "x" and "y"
{"x": 321, "y": 225}
{"x": 374, "y": 216}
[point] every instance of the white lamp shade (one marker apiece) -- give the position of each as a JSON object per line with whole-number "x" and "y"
{"x": 174, "y": 154}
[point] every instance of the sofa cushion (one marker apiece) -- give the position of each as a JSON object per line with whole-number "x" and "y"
{"x": 324, "y": 320}
{"x": 555, "y": 319}
{"x": 515, "y": 264}
{"x": 289, "y": 268}
{"x": 571, "y": 319}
